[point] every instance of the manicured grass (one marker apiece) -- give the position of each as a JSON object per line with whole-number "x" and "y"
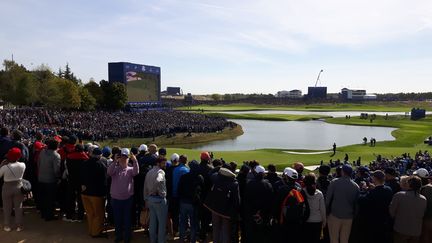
{"x": 270, "y": 117}
{"x": 369, "y": 106}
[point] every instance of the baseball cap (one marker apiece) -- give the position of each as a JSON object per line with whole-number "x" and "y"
{"x": 97, "y": 151}
{"x": 142, "y": 147}
{"x": 124, "y": 152}
{"x": 347, "y": 169}
{"x": 291, "y": 173}
{"x": 422, "y": 173}
{"x": 175, "y": 157}
{"x": 259, "y": 169}
{"x": 205, "y": 156}
{"x": 162, "y": 151}
{"x": 106, "y": 151}
{"x": 379, "y": 174}
{"x": 13, "y": 154}
{"x": 363, "y": 169}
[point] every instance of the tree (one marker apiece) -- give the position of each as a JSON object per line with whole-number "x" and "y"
{"x": 88, "y": 102}
{"x": 68, "y": 74}
{"x": 227, "y": 97}
{"x": 96, "y": 91}
{"x": 114, "y": 94}
{"x": 216, "y": 97}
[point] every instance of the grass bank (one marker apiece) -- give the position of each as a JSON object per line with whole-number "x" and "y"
{"x": 369, "y": 106}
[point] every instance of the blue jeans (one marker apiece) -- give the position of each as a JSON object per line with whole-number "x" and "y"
{"x": 188, "y": 210}
{"x": 122, "y": 218}
{"x": 158, "y": 208}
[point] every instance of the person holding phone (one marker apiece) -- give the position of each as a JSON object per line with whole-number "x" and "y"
{"x": 122, "y": 191}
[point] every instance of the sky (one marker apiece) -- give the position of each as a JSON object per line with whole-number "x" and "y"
{"x": 225, "y": 46}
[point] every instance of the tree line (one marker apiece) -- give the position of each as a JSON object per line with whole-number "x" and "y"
{"x": 43, "y": 87}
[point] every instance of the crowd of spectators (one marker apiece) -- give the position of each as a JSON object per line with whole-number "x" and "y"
{"x": 171, "y": 197}
{"x": 102, "y": 125}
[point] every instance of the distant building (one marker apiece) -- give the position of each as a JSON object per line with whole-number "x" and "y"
{"x": 356, "y": 94}
{"x": 293, "y": 94}
{"x": 317, "y": 93}
{"x": 174, "y": 91}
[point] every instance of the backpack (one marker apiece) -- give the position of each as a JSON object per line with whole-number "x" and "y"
{"x": 294, "y": 208}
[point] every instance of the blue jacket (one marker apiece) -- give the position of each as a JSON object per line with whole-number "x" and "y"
{"x": 180, "y": 170}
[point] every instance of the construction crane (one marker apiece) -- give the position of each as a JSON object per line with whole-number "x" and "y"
{"x": 319, "y": 74}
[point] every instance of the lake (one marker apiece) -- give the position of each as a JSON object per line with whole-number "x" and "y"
{"x": 311, "y": 135}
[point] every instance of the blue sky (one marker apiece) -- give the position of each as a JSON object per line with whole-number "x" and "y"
{"x": 226, "y": 46}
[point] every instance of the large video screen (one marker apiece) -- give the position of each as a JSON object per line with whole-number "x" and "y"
{"x": 142, "y": 87}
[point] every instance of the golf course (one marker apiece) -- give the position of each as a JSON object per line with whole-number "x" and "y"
{"x": 409, "y": 135}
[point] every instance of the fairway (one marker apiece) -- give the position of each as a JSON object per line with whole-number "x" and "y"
{"x": 370, "y": 106}
{"x": 409, "y": 139}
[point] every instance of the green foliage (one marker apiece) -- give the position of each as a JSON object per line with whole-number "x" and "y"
{"x": 216, "y": 97}
{"x": 114, "y": 95}
{"x": 88, "y": 102}
{"x": 96, "y": 91}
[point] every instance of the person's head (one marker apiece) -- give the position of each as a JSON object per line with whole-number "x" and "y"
{"x": 290, "y": 175}
{"x": 17, "y": 135}
{"x": 233, "y": 166}
{"x": 13, "y": 155}
{"x": 378, "y": 177}
{"x": 161, "y": 162}
{"x": 217, "y": 163}
{"x": 205, "y": 157}
{"x": 271, "y": 168}
{"x": 338, "y": 171}
{"x": 324, "y": 170}
{"x": 182, "y": 159}
{"x": 404, "y": 183}
{"x": 414, "y": 183}
{"x": 390, "y": 173}
{"x": 96, "y": 153}
{"x": 423, "y": 174}
{"x": 52, "y": 144}
{"x": 142, "y": 149}
{"x": 244, "y": 169}
{"x": 152, "y": 148}
{"x": 39, "y": 136}
{"x": 259, "y": 172}
{"x": 116, "y": 150}
{"x": 106, "y": 152}
{"x": 194, "y": 166}
{"x": 134, "y": 150}
{"x": 4, "y": 132}
{"x": 310, "y": 183}
{"x": 124, "y": 157}
{"x": 299, "y": 167}
{"x": 347, "y": 170}
{"x": 162, "y": 152}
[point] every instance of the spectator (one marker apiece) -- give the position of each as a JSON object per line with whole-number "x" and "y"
{"x": 317, "y": 217}
{"x": 223, "y": 200}
{"x": 155, "y": 196}
{"x": 139, "y": 183}
{"x": 12, "y": 173}
{"x": 74, "y": 162}
{"x": 172, "y": 206}
{"x": 48, "y": 178}
{"x": 323, "y": 180}
{"x": 391, "y": 181}
{"x": 258, "y": 195}
{"x": 94, "y": 186}
{"x": 342, "y": 195}
{"x": 408, "y": 209}
{"x": 272, "y": 176}
{"x": 16, "y": 142}
{"x": 177, "y": 173}
{"x": 376, "y": 224}
{"x": 204, "y": 214}
{"x": 190, "y": 195}
{"x": 426, "y": 191}
{"x": 242, "y": 180}
{"x": 122, "y": 193}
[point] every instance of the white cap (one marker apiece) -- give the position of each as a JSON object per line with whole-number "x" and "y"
{"x": 291, "y": 173}
{"x": 259, "y": 169}
{"x": 422, "y": 173}
{"x": 142, "y": 147}
{"x": 175, "y": 157}
{"x": 125, "y": 151}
